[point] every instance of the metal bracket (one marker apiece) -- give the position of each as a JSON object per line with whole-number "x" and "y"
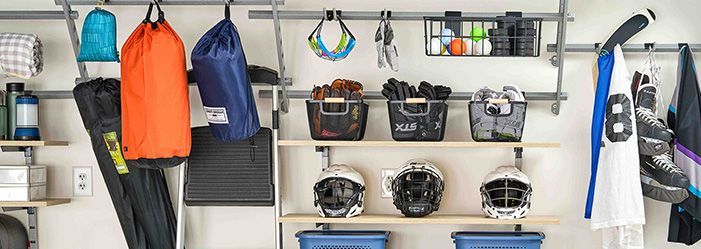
{"x": 75, "y": 39}
{"x": 518, "y": 157}
{"x": 324, "y": 226}
{"x": 561, "y": 40}
{"x": 284, "y": 105}
{"x": 324, "y": 156}
{"x": 555, "y": 61}
{"x": 33, "y": 230}
{"x": 28, "y": 156}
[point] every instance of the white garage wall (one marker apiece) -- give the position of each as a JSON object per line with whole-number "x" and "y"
{"x": 560, "y": 176}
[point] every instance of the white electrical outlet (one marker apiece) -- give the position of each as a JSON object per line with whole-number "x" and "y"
{"x": 386, "y": 182}
{"x": 82, "y": 181}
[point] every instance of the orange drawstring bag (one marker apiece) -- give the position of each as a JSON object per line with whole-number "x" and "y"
{"x": 155, "y": 105}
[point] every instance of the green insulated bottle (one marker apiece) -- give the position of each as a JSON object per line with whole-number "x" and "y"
{"x": 13, "y": 90}
{"x": 3, "y": 116}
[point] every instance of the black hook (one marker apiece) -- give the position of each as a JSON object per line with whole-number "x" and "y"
{"x": 597, "y": 45}
{"x": 386, "y": 14}
{"x": 333, "y": 14}
{"x": 682, "y": 45}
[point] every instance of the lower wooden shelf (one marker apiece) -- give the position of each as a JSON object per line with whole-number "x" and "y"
{"x": 442, "y": 219}
{"x": 39, "y": 203}
{"x": 444, "y": 144}
{"x": 19, "y": 143}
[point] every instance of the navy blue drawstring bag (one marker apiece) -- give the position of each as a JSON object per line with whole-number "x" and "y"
{"x": 220, "y": 68}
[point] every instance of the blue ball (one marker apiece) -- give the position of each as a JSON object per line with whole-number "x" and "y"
{"x": 447, "y": 36}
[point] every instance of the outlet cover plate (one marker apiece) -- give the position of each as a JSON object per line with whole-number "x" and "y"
{"x": 82, "y": 181}
{"x": 386, "y": 182}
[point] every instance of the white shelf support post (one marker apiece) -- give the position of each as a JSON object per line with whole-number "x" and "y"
{"x": 276, "y": 166}
{"x": 180, "y": 227}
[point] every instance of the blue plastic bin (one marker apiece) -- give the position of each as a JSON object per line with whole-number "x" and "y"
{"x": 338, "y": 239}
{"x": 501, "y": 240}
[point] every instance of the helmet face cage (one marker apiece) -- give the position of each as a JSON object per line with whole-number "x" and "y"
{"x": 506, "y": 198}
{"x": 417, "y": 192}
{"x": 338, "y": 197}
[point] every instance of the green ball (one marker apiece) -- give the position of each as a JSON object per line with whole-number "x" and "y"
{"x": 477, "y": 34}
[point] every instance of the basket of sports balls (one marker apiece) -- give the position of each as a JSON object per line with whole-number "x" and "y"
{"x": 510, "y": 35}
{"x": 497, "y": 116}
{"x": 416, "y": 114}
{"x": 337, "y": 111}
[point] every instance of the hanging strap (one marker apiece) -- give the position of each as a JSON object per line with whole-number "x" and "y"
{"x": 345, "y": 29}
{"x": 161, "y": 15}
{"x": 227, "y": 11}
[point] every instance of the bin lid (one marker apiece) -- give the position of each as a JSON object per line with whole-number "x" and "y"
{"x": 498, "y": 235}
{"x": 355, "y": 234}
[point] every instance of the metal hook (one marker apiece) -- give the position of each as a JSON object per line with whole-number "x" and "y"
{"x": 385, "y": 14}
{"x": 335, "y": 14}
{"x": 227, "y": 2}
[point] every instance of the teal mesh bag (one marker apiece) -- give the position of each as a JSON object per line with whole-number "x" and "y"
{"x": 99, "y": 38}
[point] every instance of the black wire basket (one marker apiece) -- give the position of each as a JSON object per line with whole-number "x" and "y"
{"x": 418, "y": 121}
{"x": 345, "y": 120}
{"x": 504, "y": 36}
{"x": 494, "y": 122}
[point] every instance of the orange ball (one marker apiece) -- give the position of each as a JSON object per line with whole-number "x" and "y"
{"x": 458, "y": 47}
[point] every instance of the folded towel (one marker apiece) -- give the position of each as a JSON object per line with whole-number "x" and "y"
{"x": 21, "y": 55}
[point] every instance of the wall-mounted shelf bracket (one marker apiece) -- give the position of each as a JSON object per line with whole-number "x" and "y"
{"x": 323, "y": 226}
{"x": 324, "y": 150}
{"x": 518, "y": 151}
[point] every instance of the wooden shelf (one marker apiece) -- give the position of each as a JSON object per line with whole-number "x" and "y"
{"x": 40, "y": 203}
{"x": 431, "y": 219}
{"x": 16, "y": 143}
{"x": 418, "y": 144}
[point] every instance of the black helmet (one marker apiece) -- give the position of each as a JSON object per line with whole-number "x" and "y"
{"x": 417, "y": 188}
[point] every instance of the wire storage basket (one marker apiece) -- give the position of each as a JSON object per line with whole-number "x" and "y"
{"x": 497, "y": 122}
{"x": 340, "y": 120}
{"x": 504, "y": 36}
{"x": 500, "y": 240}
{"x": 418, "y": 121}
{"x": 339, "y": 239}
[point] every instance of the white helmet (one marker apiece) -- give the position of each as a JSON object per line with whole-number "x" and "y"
{"x": 339, "y": 192}
{"x": 417, "y": 188}
{"x": 506, "y": 193}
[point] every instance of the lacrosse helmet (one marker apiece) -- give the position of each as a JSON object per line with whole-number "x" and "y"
{"x": 417, "y": 188}
{"x": 339, "y": 192}
{"x": 506, "y": 193}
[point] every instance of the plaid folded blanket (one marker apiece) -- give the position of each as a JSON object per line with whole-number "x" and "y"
{"x": 21, "y": 55}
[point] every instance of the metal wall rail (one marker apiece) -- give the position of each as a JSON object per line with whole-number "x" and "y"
{"x": 395, "y": 15}
{"x": 53, "y": 94}
{"x": 375, "y": 95}
{"x": 170, "y": 2}
{"x": 634, "y": 48}
{"x": 35, "y": 15}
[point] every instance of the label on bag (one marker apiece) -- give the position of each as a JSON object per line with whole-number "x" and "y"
{"x": 115, "y": 152}
{"x": 216, "y": 115}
